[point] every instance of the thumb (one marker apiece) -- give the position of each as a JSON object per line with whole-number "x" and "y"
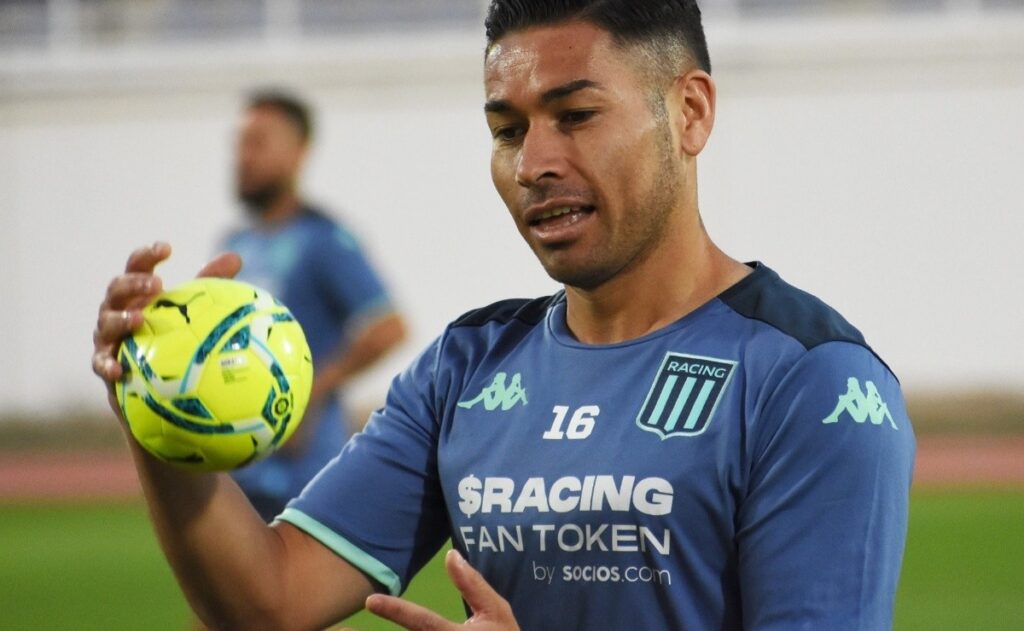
{"x": 475, "y": 590}
{"x": 224, "y": 265}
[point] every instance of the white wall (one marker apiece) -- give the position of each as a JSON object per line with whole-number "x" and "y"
{"x": 876, "y": 164}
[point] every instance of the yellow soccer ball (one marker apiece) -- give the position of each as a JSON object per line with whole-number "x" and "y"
{"x": 217, "y": 377}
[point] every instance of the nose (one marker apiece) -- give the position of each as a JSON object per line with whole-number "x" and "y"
{"x": 542, "y": 156}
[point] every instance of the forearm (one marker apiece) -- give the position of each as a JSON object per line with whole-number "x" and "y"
{"x": 362, "y": 351}
{"x": 237, "y": 572}
{"x": 226, "y": 559}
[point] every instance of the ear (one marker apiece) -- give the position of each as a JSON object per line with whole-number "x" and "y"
{"x": 300, "y": 155}
{"x": 691, "y": 104}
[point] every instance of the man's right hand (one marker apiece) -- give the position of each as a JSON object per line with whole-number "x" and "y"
{"x": 235, "y": 570}
{"x": 120, "y": 312}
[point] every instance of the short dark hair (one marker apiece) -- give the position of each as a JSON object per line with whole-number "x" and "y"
{"x": 655, "y": 23}
{"x": 293, "y": 108}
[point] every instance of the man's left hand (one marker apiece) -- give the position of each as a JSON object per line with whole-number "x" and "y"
{"x": 491, "y": 612}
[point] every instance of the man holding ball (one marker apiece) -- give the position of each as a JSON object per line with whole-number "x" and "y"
{"x": 672, "y": 441}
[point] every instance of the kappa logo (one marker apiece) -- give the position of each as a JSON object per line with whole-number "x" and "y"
{"x": 861, "y": 405}
{"x": 502, "y": 393}
{"x": 684, "y": 395}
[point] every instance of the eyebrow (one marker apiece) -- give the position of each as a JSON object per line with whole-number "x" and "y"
{"x": 555, "y": 93}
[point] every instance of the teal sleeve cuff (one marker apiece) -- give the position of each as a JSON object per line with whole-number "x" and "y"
{"x": 344, "y": 548}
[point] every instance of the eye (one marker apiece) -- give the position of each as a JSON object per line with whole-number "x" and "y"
{"x": 507, "y": 133}
{"x": 577, "y": 117}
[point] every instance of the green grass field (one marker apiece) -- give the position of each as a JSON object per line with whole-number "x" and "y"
{"x": 98, "y": 567}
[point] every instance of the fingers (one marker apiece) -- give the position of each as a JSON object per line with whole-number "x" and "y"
{"x": 475, "y": 590}
{"x": 136, "y": 286}
{"x": 224, "y": 266}
{"x": 132, "y": 291}
{"x": 105, "y": 366}
{"x": 120, "y": 313}
{"x": 490, "y": 610}
{"x": 111, "y": 327}
{"x": 145, "y": 259}
{"x": 406, "y": 614}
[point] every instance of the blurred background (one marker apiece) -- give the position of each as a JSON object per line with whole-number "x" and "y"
{"x": 868, "y": 150}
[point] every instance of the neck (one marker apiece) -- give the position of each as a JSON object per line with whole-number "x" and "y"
{"x": 682, "y": 272}
{"x": 286, "y": 205}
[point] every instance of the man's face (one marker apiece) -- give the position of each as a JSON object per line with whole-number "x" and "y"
{"x": 269, "y": 156}
{"x": 580, "y": 157}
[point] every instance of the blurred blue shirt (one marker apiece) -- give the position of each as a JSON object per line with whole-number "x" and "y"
{"x": 315, "y": 267}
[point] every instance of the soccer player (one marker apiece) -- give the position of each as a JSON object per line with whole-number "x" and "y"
{"x": 672, "y": 442}
{"x": 316, "y": 267}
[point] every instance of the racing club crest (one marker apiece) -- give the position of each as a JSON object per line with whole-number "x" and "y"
{"x": 684, "y": 395}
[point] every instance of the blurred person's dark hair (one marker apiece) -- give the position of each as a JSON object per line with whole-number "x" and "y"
{"x": 293, "y": 108}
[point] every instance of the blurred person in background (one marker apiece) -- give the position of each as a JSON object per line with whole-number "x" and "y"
{"x": 315, "y": 266}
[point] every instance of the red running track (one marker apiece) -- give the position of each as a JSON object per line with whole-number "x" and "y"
{"x": 942, "y": 461}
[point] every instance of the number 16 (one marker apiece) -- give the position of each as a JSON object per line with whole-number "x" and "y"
{"x": 580, "y": 425}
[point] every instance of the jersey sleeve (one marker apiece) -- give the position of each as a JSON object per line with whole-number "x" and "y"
{"x": 349, "y": 282}
{"x": 379, "y": 503}
{"x": 823, "y": 522}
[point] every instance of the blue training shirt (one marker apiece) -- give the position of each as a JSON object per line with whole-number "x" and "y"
{"x": 746, "y": 467}
{"x": 318, "y": 270}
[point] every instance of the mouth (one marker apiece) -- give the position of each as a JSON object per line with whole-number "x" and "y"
{"x": 561, "y": 214}
{"x": 559, "y": 224}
